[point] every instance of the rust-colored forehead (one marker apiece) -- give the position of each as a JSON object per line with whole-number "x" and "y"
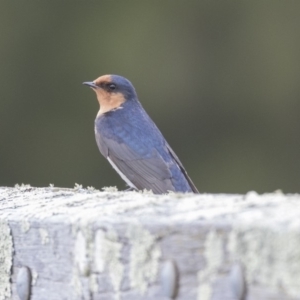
{"x": 104, "y": 78}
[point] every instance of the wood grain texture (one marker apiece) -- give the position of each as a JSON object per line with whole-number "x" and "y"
{"x": 87, "y": 244}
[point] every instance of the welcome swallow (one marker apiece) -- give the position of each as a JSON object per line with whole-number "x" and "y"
{"x": 132, "y": 143}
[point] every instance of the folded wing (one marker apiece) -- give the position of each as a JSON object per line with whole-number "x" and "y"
{"x": 151, "y": 172}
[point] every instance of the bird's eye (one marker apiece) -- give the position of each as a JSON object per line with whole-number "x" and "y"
{"x": 112, "y": 86}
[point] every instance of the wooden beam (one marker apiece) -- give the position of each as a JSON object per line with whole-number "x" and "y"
{"x": 58, "y": 243}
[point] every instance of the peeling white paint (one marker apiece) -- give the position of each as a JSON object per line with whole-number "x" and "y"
{"x": 6, "y": 256}
{"x": 144, "y": 257}
{"x": 35, "y": 276}
{"x": 213, "y": 254}
{"x": 44, "y": 236}
{"x": 93, "y": 284}
{"x": 80, "y": 255}
{"x": 204, "y": 291}
{"x": 80, "y": 266}
{"x": 76, "y": 284}
{"x": 25, "y": 225}
{"x": 107, "y": 254}
{"x": 213, "y": 251}
{"x": 100, "y": 251}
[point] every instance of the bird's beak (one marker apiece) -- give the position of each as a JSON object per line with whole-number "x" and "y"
{"x": 91, "y": 84}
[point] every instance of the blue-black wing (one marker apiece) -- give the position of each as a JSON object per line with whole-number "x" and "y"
{"x": 151, "y": 173}
{"x": 178, "y": 162}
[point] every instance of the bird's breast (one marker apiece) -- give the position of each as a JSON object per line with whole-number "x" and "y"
{"x": 132, "y": 127}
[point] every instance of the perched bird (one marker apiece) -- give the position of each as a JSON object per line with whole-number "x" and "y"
{"x": 132, "y": 143}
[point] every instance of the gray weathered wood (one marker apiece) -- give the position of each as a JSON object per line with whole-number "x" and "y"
{"x": 86, "y": 244}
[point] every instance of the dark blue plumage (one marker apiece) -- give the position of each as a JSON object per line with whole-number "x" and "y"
{"x": 132, "y": 143}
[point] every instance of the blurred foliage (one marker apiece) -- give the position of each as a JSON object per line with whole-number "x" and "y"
{"x": 220, "y": 79}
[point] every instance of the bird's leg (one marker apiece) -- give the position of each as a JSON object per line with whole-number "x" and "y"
{"x": 130, "y": 189}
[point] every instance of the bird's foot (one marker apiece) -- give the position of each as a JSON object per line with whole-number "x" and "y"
{"x": 130, "y": 189}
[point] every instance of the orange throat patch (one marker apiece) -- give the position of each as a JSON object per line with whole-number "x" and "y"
{"x": 108, "y": 101}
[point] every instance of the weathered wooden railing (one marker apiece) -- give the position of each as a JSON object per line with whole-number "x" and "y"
{"x": 58, "y": 243}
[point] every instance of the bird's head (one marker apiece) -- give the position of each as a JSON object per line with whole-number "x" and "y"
{"x": 112, "y": 91}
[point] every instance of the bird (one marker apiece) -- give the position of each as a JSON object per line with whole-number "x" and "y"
{"x": 134, "y": 146}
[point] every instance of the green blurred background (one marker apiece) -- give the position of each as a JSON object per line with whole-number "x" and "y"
{"x": 219, "y": 78}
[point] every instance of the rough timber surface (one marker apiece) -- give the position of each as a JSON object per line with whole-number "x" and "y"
{"x": 87, "y": 244}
